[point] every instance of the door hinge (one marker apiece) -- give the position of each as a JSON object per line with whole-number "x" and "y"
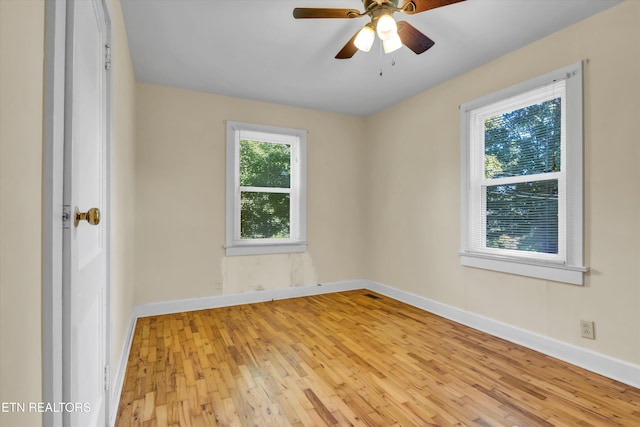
{"x": 107, "y": 377}
{"x": 107, "y": 57}
{"x": 66, "y": 216}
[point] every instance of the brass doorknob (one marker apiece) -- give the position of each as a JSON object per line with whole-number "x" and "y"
{"x": 92, "y": 216}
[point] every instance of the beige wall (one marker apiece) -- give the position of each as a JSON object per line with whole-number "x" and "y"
{"x": 414, "y": 167}
{"x": 180, "y": 228}
{"x": 123, "y": 203}
{"x": 21, "y": 88}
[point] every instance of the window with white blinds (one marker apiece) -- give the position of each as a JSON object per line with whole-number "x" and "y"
{"x": 522, "y": 178}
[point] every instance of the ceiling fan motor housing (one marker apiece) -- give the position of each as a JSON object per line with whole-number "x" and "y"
{"x": 368, "y": 3}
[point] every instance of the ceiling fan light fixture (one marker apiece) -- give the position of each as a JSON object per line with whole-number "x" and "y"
{"x": 386, "y": 27}
{"x": 392, "y": 44}
{"x": 364, "y": 39}
{"x": 382, "y": 22}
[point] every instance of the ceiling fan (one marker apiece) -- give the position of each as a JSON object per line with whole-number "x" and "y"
{"x": 392, "y": 34}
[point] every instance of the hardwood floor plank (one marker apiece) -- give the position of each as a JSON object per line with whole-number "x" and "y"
{"x": 320, "y": 408}
{"x": 161, "y": 416}
{"x": 149, "y": 406}
{"x": 349, "y": 359}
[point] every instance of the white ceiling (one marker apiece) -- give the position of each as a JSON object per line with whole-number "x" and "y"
{"x": 255, "y": 49}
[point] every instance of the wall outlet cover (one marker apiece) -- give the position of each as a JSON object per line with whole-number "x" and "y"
{"x": 587, "y": 329}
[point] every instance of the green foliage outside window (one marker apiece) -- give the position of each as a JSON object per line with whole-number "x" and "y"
{"x": 264, "y": 215}
{"x": 527, "y": 141}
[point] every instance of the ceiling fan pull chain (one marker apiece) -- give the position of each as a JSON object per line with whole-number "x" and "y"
{"x": 380, "y": 58}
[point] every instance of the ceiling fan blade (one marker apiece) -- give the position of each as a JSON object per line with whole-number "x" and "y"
{"x": 349, "y": 49}
{"x": 314, "y": 12}
{"x": 412, "y": 38}
{"x": 417, "y": 6}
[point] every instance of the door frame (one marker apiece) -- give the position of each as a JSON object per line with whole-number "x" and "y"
{"x": 53, "y": 282}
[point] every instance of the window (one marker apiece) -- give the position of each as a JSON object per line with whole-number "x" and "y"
{"x": 266, "y": 189}
{"x": 522, "y": 178}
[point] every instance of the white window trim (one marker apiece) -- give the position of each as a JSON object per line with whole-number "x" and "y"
{"x": 297, "y": 242}
{"x": 571, "y": 269}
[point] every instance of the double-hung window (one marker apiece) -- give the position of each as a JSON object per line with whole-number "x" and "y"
{"x": 522, "y": 178}
{"x": 266, "y": 189}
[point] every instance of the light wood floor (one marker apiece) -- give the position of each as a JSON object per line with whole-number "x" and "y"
{"x": 348, "y": 359}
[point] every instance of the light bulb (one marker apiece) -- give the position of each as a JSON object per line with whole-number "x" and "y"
{"x": 386, "y": 27}
{"x": 364, "y": 39}
{"x": 392, "y": 44}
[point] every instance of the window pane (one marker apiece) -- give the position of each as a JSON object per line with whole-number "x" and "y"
{"x": 524, "y": 141}
{"x": 523, "y": 216}
{"x": 264, "y": 215}
{"x": 264, "y": 164}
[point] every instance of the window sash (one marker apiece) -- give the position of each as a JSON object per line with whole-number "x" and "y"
{"x": 293, "y": 214}
{"x": 478, "y": 221}
{"x": 481, "y": 240}
{"x": 293, "y": 142}
{"x": 479, "y": 182}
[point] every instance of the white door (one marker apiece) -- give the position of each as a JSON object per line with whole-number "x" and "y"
{"x": 86, "y": 247}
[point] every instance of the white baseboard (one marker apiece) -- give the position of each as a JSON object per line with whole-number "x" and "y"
{"x": 159, "y": 308}
{"x": 607, "y": 366}
{"x": 118, "y": 379}
{"x": 619, "y": 370}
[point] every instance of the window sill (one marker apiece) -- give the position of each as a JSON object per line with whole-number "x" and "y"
{"x": 265, "y": 248}
{"x": 523, "y": 267}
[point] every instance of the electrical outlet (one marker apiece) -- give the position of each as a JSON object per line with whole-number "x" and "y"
{"x": 587, "y": 329}
{"x": 219, "y": 284}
